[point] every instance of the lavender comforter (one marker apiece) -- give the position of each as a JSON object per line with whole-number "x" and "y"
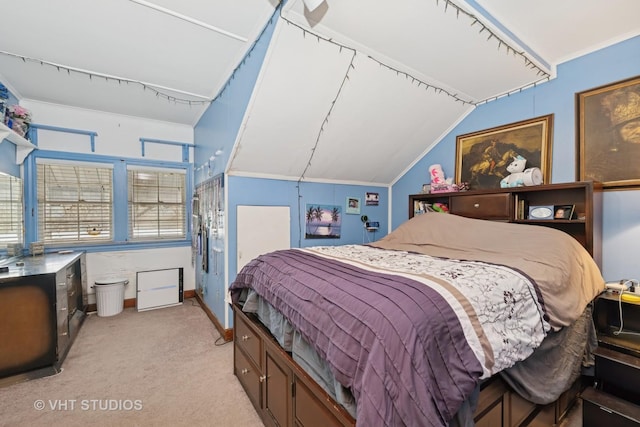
{"x": 410, "y": 334}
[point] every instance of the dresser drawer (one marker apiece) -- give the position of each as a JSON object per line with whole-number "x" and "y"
{"x": 248, "y": 376}
{"x": 601, "y": 409}
{"x": 617, "y": 369}
{"x": 248, "y": 340}
{"x": 485, "y": 206}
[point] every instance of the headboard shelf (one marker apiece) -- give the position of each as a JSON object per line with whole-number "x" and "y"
{"x": 584, "y": 198}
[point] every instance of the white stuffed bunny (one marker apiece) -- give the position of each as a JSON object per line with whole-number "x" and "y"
{"x": 516, "y": 169}
{"x": 519, "y": 175}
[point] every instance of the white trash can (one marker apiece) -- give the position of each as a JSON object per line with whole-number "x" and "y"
{"x": 110, "y": 296}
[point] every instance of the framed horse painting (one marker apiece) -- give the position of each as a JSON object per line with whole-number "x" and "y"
{"x": 482, "y": 157}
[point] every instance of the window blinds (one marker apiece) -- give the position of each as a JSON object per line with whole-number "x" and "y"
{"x": 11, "y": 211}
{"x": 157, "y": 204}
{"x": 74, "y": 203}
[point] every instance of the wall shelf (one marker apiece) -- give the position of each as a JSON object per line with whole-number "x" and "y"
{"x": 23, "y": 146}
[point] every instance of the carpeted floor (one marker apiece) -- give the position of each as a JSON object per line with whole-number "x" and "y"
{"x": 153, "y": 368}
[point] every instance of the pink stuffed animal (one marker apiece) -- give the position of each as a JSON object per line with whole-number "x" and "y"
{"x": 439, "y": 184}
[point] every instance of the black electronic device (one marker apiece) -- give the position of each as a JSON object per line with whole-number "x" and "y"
{"x": 372, "y": 225}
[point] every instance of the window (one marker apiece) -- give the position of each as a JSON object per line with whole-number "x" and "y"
{"x": 11, "y": 220}
{"x": 157, "y": 204}
{"x": 74, "y": 203}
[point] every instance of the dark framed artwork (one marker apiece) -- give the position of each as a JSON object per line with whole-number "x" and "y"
{"x": 608, "y": 134}
{"x": 482, "y": 157}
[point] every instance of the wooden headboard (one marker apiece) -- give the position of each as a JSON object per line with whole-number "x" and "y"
{"x": 513, "y": 204}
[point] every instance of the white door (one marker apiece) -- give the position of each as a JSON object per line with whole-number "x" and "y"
{"x": 262, "y": 229}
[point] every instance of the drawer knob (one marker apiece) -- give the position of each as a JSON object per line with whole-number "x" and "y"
{"x": 245, "y": 337}
{"x": 262, "y": 378}
{"x": 245, "y": 371}
{"x": 63, "y": 308}
{"x": 476, "y": 205}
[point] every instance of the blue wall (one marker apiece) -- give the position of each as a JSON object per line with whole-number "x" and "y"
{"x": 216, "y": 132}
{"x": 622, "y": 208}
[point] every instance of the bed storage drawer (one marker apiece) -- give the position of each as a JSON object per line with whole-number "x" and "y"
{"x": 485, "y": 206}
{"x": 248, "y": 340}
{"x": 248, "y": 376}
{"x": 311, "y": 411}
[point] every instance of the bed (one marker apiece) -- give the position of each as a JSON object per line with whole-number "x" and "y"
{"x": 413, "y": 328}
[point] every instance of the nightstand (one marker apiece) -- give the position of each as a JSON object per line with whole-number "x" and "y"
{"x": 615, "y": 398}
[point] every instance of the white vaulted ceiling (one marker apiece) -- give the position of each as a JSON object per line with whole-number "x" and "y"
{"x": 144, "y": 61}
{"x": 353, "y": 92}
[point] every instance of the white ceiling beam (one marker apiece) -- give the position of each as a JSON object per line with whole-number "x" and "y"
{"x": 189, "y": 19}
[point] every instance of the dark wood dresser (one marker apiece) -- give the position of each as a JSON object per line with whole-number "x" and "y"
{"x": 42, "y": 307}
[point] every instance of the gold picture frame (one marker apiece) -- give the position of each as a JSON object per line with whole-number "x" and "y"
{"x": 482, "y": 157}
{"x": 608, "y": 134}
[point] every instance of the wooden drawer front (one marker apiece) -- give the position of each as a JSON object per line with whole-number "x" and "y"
{"x": 248, "y": 340}
{"x": 309, "y": 412}
{"x": 486, "y": 206}
{"x": 277, "y": 394}
{"x": 545, "y": 418}
{"x": 520, "y": 409}
{"x": 618, "y": 369}
{"x": 491, "y": 418}
{"x": 249, "y": 377}
{"x": 597, "y": 416}
{"x": 600, "y": 409}
{"x": 63, "y": 334}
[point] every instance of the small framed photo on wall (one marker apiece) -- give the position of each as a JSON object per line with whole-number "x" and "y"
{"x": 372, "y": 199}
{"x": 353, "y": 205}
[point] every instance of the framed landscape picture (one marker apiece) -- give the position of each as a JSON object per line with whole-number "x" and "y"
{"x": 323, "y": 221}
{"x": 482, "y": 157}
{"x": 608, "y": 139}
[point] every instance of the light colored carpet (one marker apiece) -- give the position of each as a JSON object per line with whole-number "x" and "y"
{"x": 153, "y": 368}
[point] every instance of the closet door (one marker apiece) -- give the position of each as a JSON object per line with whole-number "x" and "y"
{"x": 262, "y": 229}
